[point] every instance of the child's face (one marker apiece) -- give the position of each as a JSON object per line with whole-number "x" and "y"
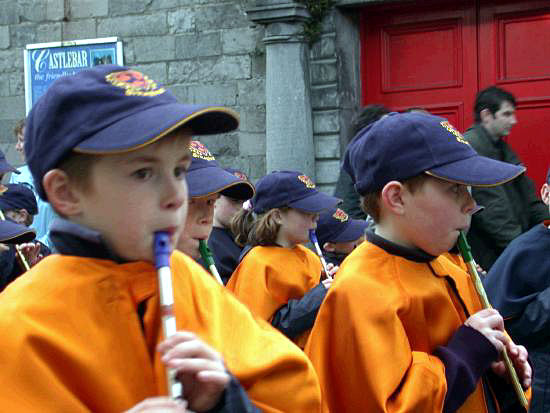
{"x": 134, "y": 194}
{"x": 225, "y": 209}
{"x": 295, "y": 226}
{"x": 434, "y": 215}
{"x": 343, "y": 247}
{"x": 198, "y": 225}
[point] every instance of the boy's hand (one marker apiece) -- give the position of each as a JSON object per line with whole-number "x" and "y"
{"x": 327, "y": 282}
{"x": 489, "y": 323}
{"x": 199, "y": 368}
{"x": 4, "y": 247}
{"x": 332, "y": 270}
{"x": 31, "y": 251}
{"x": 159, "y": 405}
{"x": 518, "y": 355}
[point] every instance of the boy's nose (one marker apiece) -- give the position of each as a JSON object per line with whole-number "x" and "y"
{"x": 469, "y": 203}
{"x": 175, "y": 194}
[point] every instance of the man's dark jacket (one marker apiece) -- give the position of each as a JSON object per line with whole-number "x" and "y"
{"x": 510, "y": 209}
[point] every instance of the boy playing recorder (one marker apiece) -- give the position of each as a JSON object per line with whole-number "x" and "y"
{"x": 108, "y": 148}
{"x": 401, "y": 328}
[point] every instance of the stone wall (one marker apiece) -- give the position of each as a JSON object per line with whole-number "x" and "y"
{"x": 205, "y": 51}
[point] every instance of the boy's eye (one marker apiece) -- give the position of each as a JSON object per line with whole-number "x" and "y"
{"x": 180, "y": 171}
{"x": 143, "y": 173}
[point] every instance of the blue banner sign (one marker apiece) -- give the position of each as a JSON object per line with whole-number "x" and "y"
{"x": 46, "y": 62}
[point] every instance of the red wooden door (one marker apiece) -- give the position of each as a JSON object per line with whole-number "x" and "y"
{"x": 439, "y": 55}
{"x": 514, "y": 53}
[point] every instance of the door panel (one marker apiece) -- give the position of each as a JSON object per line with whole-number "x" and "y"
{"x": 514, "y": 53}
{"x": 438, "y": 56}
{"x": 421, "y": 57}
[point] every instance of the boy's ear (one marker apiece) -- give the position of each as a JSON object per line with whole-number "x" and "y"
{"x": 545, "y": 193}
{"x": 392, "y": 197}
{"x": 328, "y": 246}
{"x": 60, "y": 193}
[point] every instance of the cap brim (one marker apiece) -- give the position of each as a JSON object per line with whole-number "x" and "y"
{"x": 477, "y": 171}
{"x": 147, "y": 126}
{"x": 12, "y": 233}
{"x": 315, "y": 203}
{"x": 354, "y": 230}
{"x": 212, "y": 179}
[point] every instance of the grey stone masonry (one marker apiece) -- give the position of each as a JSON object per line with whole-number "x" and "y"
{"x": 205, "y": 51}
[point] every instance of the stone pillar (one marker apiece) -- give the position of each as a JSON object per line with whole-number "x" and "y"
{"x": 289, "y": 131}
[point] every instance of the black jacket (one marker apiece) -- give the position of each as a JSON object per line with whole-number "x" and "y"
{"x": 510, "y": 209}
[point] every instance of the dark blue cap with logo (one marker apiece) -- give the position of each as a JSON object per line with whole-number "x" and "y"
{"x": 206, "y": 177}
{"x": 403, "y": 145}
{"x": 109, "y": 109}
{"x": 5, "y": 166}
{"x": 19, "y": 196}
{"x": 335, "y": 225}
{"x": 12, "y": 233}
{"x": 291, "y": 189}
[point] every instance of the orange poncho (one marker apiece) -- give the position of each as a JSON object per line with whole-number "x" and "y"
{"x": 72, "y": 339}
{"x": 268, "y": 277}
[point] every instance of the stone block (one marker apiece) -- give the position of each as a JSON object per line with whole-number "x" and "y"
{"x": 325, "y": 71}
{"x": 251, "y": 92}
{"x": 326, "y": 121}
{"x": 198, "y": 45}
{"x": 326, "y": 146}
{"x": 4, "y": 37}
{"x": 163, "y": 4}
{"x": 48, "y": 33}
{"x": 145, "y": 25}
{"x": 328, "y": 25}
{"x": 324, "y": 47}
{"x": 241, "y": 40}
{"x": 253, "y": 119}
{"x": 7, "y": 138}
{"x": 55, "y": 10}
{"x": 222, "y": 145}
{"x": 154, "y": 48}
{"x": 128, "y": 53}
{"x": 258, "y": 62}
{"x": 251, "y": 144}
{"x": 12, "y": 107}
{"x": 212, "y": 94}
{"x": 10, "y": 12}
{"x": 210, "y": 69}
{"x": 17, "y": 83}
{"x": 155, "y": 71}
{"x": 327, "y": 171}
{"x": 221, "y": 16}
{"x": 125, "y": 7}
{"x": 325, "y": 97}
{"x": 32, "y": 10}
{"x": 256, "y": 167}
{"x": 88, "y": 8}
{"x": 4, "y": 86}
{"x": 23, "y": 34}
{"x": 9, "y": 60}
{"x": 181, "y": 21}
{"x": 80, "y": 29}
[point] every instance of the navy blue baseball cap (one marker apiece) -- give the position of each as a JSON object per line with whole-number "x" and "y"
{"x": 19, "y": 196}
{"x": 5, "y": 166}
{"x": 109, "y": 109}
{"x": 403, "y": 145}
{"x": 12, "y": 233}
{"x": 291, "y": 189}
{"x": 206, "y": 177}
{"x": 335, "y": 225}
